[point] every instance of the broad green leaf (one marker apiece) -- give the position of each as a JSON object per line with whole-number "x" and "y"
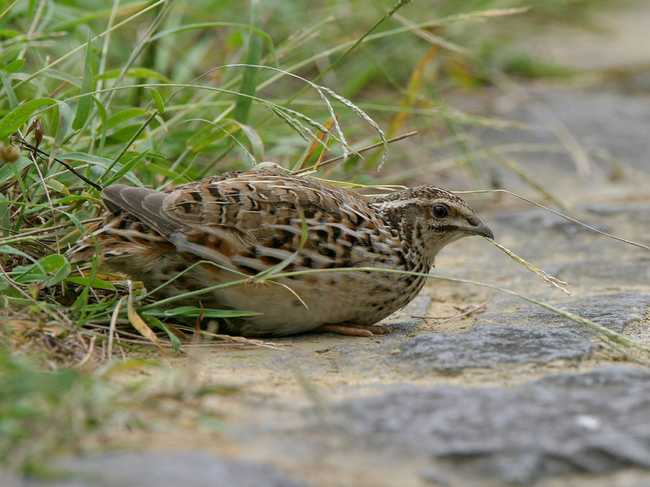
{"x": 158, "y": 100}
{"x": 14, "y": 65}
{"x": 248, "y": 83}
{"x": 8, "y": 33}
{"x": 126, "y": 133}
{"x": 85, "y": 103}
{"x": 95, "y": 283}
{"x": 13, "y": 120}
{"x": 49, "y": 270}
{"x": 57, "y": 186}
{"x": 123, "y": 116}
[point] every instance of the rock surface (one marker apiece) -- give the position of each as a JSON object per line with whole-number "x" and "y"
{"x": 170, "y": 469}
{"x": 593, "y": 422}
{"x": 492, "y": 345}
{"x": 611, "y": 310}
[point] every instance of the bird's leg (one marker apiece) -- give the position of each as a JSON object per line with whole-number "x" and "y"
{"x": 354, "y": 330}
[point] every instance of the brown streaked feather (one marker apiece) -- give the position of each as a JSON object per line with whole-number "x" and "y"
{"x": 254, "y": 219}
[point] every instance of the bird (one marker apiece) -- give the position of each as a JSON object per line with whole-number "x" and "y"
{"x": 293, "y": 241}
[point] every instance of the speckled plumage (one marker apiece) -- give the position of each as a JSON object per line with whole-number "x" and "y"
{"x": 247, "y": 222}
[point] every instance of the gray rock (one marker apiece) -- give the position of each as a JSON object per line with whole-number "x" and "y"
{"x": 614, "y": 311}
{"x": 169, "y": 469}
{"x": 488, "y": 346}
{"x": 529, "y": 334}
{"x": 596, "y": 423}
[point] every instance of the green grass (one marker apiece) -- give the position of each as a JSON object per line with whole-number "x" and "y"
{"x": 45, "y": 413}
{"x": 147, "y": 93}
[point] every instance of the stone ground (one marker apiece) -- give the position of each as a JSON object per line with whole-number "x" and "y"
{"x": 474, "y": 387}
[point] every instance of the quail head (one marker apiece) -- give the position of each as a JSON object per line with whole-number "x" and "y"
{"x": 245, "y": 223}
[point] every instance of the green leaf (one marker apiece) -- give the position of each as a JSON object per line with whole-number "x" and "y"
{"x": 49, "y": 270}
{"x": 157, "y": 100}
{"x": 5, "y": 215}
{"x": 66, "y": 114}
{"x": 85, "y": 103}
{"x": 7, "y": 55}
{"x": 8, "y": 171}
{"x": 101, "y": 112}
{"x": 4, "y": 284}
{"x": 9, "y": 250}
{"x": 248, "y": 83}
{"x": 14, "y": 65}
{"x": 81, "y": 302}
{"x": 144, "y": 73}
{"x": 212, "y": 133}
{"x": 124, "y": 116}
{"x": 193, "y": 312}
{"x": 95, "y": 14}
{"x": 176, "y": 343}
{"x": 206, "y": 136}
{"x": 13, "y": 120}
{"x": 100, "y": 162}
{"x": 9, "y": 89}
{"x": 8, "y": 33}
{"x": 127, "y": 167}
{"x": 52, "y": 120}
{"x": 95, "y": 283}
{"x": 254, "y": 140}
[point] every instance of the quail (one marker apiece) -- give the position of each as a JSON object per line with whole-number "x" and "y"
{"x": 219, "y": 229}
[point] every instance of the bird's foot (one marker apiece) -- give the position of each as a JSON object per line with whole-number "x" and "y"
{"x": 355, "y": 330}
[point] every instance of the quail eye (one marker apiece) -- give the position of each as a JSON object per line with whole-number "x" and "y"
{"x": 440, "y": 211}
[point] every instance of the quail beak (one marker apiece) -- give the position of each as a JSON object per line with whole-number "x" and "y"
{"x": 484, "y": 231}
{"x": 477, "y": 227}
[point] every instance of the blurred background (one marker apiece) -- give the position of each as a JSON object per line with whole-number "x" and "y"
{"x": 466, "y": 74}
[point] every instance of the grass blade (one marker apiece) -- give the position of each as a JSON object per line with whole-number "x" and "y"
{"x": 248, "y": 83}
